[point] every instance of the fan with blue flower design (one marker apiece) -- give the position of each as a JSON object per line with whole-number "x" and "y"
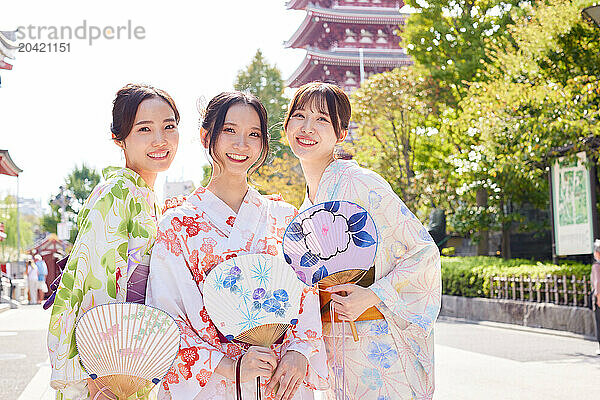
{"x": 253, "y": 298}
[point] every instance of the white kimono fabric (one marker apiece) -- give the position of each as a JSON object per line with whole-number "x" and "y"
{"x": 193, "y": 238}
{"x": 394, "y": 357}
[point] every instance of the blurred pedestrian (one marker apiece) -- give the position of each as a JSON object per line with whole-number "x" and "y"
{"x": 31, "y": 274}
{"x": 42, "y": 273}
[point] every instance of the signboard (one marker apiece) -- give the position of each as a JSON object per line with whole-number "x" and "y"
{"x": 63, "y": 230}
{"x": 572, "y": 206}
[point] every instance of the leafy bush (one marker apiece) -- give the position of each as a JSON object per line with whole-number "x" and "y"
{"x": 470, "y": 276}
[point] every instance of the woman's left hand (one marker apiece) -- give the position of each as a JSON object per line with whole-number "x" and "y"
{"x": 356, "y": 301}
{"x": 290, "y": 373}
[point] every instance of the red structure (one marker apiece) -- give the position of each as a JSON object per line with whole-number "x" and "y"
{"x": 7, "y": 165}
{"x": 346, "y": 40}
{"x": 52, "y": 249}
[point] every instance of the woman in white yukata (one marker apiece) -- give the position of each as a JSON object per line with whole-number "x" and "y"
{"x": 225, "y": 219}
{"x": 393, "y": 358}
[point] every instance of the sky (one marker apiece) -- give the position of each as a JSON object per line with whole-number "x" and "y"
{"x": 55, "y": 108}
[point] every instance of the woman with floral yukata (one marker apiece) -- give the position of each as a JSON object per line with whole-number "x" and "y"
{"x": 117, "y": 229}
{"x": 393, "y": 358}
{"x": 225, "y": 219}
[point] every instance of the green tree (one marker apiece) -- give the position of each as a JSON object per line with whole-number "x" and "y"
{"x": 8, "y": 215}
{"x": 49, "y": 221}
{"x": 530, "y": 102}
{"x": 282, "y": 172}
{"x": 450, "y": 40}
{"x": 77, "y": 187}
{"x": 265, "y": 82}
{"x": 392, "y": 111}
{"x": 80, "y": 183}
{"x": 451, "y": 43}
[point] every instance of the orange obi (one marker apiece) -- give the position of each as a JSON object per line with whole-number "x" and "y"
{"x": 325, "y": 298}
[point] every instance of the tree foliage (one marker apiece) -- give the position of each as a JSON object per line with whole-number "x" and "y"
{"x": 450, "y": 40}
{"x": 537, "y": 95}
{"x": 282, "y": 172}
{"x": 497, "y": 86}
{"x": 77, "y": 187}
{"x": 392, "y": 111}
{"x": 265, "y": 82}
{"x": 8, "y": 215}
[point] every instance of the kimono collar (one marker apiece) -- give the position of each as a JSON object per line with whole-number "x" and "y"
{"x": 138, "y": 181}
{"x": 330, "y": 182}
{"x": 221, "y": 215}
{"x": 134, "y": 177}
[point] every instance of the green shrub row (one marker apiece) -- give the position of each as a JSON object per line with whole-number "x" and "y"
{"x": 470, "y": 276}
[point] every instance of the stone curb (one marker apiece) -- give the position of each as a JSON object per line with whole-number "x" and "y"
{"x": 578, "y": 321}
{"x": 500, "y": 325}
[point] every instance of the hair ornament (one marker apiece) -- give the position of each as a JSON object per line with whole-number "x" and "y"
{"x": 201, "y": 105}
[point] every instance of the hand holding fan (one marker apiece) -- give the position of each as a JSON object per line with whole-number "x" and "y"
{"x": 253, "y": 298}
{"x": 126, "y": 346}
{"x": 331, "y": 243}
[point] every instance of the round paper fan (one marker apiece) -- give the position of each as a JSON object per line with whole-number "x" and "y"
{"x": 126, "y": 346}
{"x": 253, "y": 298}
{"x": 331, "y": 243}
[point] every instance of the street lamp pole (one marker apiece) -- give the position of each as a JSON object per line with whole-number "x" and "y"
{"x": 18, "y": 226}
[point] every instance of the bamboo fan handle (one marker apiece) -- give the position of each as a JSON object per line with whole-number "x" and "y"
{"x": 354, "y": 332}
{"x": 258, "y": 397}
{"x": 352, "y": 326}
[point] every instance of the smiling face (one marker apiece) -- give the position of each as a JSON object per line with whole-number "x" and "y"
{"x": 311, "y": 134}
{"x": 239, "y": 144}
{"x": 152, "y": 143}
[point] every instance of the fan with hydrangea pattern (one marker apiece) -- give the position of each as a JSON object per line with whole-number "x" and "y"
{"x": 253, "y": 298}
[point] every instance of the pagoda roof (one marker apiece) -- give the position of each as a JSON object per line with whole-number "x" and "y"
{"x": 344, "y": 15}
{"x": 302, "y": 4}
{"x": 344, "y": 57}
{"x": 7, "y": 165}
{"x": 297, "y": 4}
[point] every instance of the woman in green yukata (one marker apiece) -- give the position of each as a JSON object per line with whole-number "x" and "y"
{"x": 117, "y": 229}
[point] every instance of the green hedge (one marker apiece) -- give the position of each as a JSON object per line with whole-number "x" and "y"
{"x": 470, "y": 276}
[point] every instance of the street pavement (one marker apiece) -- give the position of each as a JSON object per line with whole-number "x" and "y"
{"x": 477, "y": 361}
{"x": 473, "y": 361}
{"x": 23, "y": 353}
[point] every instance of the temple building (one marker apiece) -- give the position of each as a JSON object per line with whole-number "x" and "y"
{"x": 346, "y": 41}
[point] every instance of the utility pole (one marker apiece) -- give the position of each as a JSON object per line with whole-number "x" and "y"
{"x": 18, "y": 226}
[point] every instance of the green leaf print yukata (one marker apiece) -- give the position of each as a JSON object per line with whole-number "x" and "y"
{"x": 117, "y": 226}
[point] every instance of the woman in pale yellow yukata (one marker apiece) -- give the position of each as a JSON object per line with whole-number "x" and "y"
{"x": 225, "y": 219}
{"x": 117, "y": 229}
{"x": 393, "y": 358}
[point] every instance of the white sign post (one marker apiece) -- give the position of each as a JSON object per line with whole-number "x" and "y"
{"x": 63, "y": 230}
{"x": 572, "y": 206}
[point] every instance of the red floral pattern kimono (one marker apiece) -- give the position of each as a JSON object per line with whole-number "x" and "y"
{"x": 195, "y": 236}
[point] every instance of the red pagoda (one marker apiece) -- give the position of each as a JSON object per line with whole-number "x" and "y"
{"x": 346, "y": 41}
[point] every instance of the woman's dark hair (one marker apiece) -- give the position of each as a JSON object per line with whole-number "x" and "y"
{"x": 214, "y": 119}
{"x": 328, "y": 98}
{"x": 126, "y": 103}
